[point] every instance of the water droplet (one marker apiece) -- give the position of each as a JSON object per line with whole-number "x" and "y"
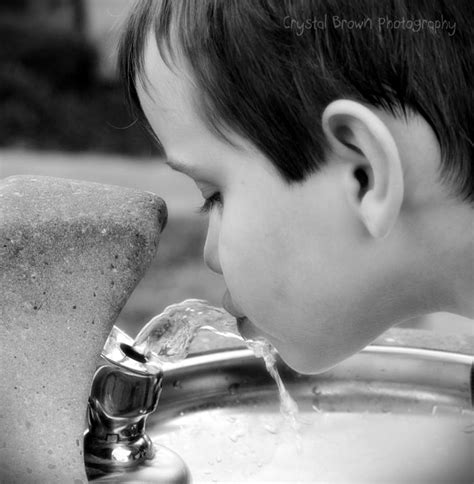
{"x": 270, "y": 428}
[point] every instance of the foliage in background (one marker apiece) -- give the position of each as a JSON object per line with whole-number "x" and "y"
{"x": 51, "y": 97}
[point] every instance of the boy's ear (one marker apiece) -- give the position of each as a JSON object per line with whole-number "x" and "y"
{"x": 375, "y": 178}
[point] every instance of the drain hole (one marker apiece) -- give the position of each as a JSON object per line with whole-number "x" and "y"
{"x": 131, "y": 353}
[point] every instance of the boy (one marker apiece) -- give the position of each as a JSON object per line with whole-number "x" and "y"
{"x": 331, "y": 141}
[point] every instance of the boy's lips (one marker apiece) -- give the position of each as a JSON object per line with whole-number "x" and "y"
{"x": 228, "y": 305}
{"x": 243, "y": 323}
{"x": 246, "y": 328}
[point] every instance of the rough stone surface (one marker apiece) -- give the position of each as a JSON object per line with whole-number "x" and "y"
{"x": 71, "y": 253}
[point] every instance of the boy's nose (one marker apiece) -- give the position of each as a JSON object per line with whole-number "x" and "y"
{"x": 211, "y": 259}
{"x": 211, "y": 252}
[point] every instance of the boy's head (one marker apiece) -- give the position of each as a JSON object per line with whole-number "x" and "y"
{"x": 332, "y": 140}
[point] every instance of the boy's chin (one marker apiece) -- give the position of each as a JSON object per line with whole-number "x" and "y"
{"x": 303, "y": 366}
{"x": 293, "y": 359}
{"x": 306, "y": 360}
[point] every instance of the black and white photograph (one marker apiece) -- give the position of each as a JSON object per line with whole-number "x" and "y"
{"x": 236, "y": 241}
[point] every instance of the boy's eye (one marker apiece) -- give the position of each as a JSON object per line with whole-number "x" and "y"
{"x": 214, "y": 200}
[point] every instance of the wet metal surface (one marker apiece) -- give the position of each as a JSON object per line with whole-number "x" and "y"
{"x": 387, "y": 414}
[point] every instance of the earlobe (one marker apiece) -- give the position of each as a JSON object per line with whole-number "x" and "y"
{"x": 358, "y": 136}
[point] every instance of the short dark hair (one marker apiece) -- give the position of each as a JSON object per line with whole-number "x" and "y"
{"x": 266, "y": 69}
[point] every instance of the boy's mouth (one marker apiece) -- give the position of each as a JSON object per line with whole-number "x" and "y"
{"x": 245, "y": 327}
{"x": 229, "y": 306}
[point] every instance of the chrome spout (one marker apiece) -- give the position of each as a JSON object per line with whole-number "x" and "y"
{"x": 125, "y": 391}
{"x": 119, "y": 405}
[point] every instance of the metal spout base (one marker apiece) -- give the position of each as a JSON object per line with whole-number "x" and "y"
{"x": 166, "y": 467}
{"x": 109, "y": 456}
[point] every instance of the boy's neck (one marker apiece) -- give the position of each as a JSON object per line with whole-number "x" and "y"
{"x": 463, "y": 286}
{"x": 457, "y": 249}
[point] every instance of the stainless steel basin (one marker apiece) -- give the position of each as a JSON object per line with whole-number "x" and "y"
{"x": 387, "y": 414}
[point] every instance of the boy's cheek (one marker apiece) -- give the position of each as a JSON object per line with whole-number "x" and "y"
{"x": 248, "y": 252}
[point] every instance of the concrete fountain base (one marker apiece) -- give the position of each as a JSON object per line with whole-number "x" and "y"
{"x": 71, "y": 253}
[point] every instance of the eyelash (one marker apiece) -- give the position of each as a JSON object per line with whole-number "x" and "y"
{"x": 214, "y": 200}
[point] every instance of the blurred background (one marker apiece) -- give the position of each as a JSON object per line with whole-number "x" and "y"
{"x": 62, "y": 114}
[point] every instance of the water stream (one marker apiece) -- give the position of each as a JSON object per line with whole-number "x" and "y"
{"x": 168, "y": 336}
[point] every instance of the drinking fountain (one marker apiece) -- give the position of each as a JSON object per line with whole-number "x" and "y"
{"x": 398, "y": 411}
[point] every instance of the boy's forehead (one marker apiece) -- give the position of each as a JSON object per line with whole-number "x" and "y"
{"x": 168, "y": 102}
{"x": 170, "y": 99}
{"x": 166, "y": 82}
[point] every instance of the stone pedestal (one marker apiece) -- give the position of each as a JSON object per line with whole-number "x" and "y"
{"x": 71, "y": 253}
